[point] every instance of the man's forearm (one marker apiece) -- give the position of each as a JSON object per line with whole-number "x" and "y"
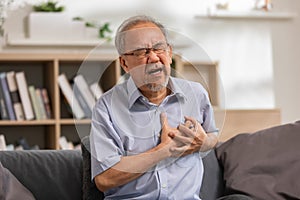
{"x": 130, "y": 168}
{"x": 209, "y": 143}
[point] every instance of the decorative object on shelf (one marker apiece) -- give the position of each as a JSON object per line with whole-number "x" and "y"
{"x": 41, "y": 23}
{"x": 102, "y": 31}
{"x": 4, "y": 6}
{"x": 49, "y": 6}
{"x": 265, "y": 5}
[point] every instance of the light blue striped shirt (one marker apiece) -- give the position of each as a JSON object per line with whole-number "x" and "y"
{"x": 125, "y": 123}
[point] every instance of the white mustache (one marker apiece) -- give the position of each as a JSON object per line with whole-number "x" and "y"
{"x": 152, "y": 68}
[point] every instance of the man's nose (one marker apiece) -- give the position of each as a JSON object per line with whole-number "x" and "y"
{"x": 152, "y": 57}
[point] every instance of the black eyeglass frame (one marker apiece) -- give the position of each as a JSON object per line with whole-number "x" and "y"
{"x": 144, "y": 52}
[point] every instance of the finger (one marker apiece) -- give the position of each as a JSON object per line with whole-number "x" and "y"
{"x": 188, "y": 123}
{"x": 182, "y": 139}
{"x": 187, "y": 131}
{"x": 191, "y": 119}
{"x": 197, "y": 125}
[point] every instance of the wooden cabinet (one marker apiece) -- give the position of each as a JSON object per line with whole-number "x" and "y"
{"x": 42, "y": 70}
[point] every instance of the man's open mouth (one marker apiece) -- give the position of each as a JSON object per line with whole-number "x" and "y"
{"x": 155, "y": 71}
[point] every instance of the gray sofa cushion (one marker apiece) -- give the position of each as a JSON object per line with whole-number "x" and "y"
{"x": 212, "y": 185}
{"x": 89, "y": 189}
{"x": 11, "y": 188}
{"x": 48, "y": 174}
{"x": 265, "y": 164}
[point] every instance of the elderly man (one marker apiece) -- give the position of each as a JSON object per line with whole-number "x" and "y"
{"x": 148, "y": 133}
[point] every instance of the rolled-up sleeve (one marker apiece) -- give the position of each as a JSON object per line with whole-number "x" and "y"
{"x": 106, "y": 148}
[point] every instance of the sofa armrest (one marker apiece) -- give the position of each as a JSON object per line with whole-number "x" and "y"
{"x": 48, "y": 174}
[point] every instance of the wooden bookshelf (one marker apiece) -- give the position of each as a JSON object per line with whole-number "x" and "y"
{"x": 42, "y": 70}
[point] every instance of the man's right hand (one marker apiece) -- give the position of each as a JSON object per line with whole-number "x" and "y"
{"x": 167, "y": 141}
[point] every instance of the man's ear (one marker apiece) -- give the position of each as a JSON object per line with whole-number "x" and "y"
{"x": 123, "y": 64}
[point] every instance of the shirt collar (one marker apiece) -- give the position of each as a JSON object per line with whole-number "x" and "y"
{"x": 134, "y": 93}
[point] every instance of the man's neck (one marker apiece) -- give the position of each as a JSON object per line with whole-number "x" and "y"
{"x": 157, "y": 97}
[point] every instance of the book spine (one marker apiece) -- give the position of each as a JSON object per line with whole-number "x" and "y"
{"x": 96, "y": 90}
{"x": 3, "y": 110}
{"x": 7, "y": 97}
{"x": 24, "y": 94}
{"x": 46, "y": 102}
{"x": 40, "y": 103}
{"x": 33, "y": 97}
{"x": 71, "y": 99}
{"x": 85, "y": 107}
{"x": 15, "y": 97}
{"x": 2, "y": 143}
{"x": 84, "y": 89}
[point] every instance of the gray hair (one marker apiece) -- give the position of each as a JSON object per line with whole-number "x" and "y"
{"x": 129, "y": 23}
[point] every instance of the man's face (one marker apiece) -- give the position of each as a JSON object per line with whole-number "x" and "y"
{"x": 147, "y": 57}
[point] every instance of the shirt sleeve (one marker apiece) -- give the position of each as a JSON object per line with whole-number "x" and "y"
{"x": 106, "y": 148}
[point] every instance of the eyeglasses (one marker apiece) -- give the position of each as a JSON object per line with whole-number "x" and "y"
{"x": 144, "y": 52}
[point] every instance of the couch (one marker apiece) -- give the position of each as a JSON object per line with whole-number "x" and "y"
{"x": 264, "y": 165}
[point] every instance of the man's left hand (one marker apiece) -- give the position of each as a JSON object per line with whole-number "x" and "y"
{"x": 193, "y": 138}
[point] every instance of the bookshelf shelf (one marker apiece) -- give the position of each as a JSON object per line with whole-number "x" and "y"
{"x": 27, "y": 123}
{"x": 74, "y": 121}
{"x": 262, "y": 15}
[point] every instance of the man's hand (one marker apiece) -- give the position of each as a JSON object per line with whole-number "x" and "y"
{"x": 166, "y": 140}
{"x": 193, "y": 137}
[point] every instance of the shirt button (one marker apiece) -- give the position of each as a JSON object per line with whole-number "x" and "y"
{"x": 164, "y": 185}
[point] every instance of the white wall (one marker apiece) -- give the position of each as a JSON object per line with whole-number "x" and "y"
{"x": 259, "y": 64}
{"x": 286, "y": 59}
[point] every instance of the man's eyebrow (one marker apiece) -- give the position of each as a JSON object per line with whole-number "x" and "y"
{"x": 159, "y": 43}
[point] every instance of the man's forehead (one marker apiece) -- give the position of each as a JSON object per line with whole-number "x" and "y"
{"x": 143, "y": 36}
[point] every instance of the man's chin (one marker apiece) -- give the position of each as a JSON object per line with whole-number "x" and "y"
{"x": 155, "y": 87}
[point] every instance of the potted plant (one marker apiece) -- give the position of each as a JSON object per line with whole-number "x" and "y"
{"x": 48, "y": 21}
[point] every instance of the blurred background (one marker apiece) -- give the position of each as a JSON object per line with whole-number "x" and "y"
{"x": 255, "y": 43}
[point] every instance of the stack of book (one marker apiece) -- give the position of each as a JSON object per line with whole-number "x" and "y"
{"x": 20, "y": 144}
{"x": 18, "y": 101}
{"x": 65, "y": 144}
{"x": 80, "y": 96}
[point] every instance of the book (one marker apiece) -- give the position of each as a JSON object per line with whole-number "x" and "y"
{"x": 46, "y": 102}
{"x": 67, "y": 91}
{"x": 7, "y": 98}
{"x": 96, "y": 90}
{"x": 85, "y": 107}
{"x": 3, "y": 110}
{"x": 2, "y": 143}
{"x": 24, "y": 94}
{"x": 23, "y": 142}
{"x": 14, "y": 93}
{"x": 85, "y": 91}
{"x": 34, "y": 101}
{"x": 40, "y": 103}
{"x": 65, "y": 144}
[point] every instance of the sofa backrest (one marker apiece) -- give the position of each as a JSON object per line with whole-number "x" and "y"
{"x": 48, "y": 174}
